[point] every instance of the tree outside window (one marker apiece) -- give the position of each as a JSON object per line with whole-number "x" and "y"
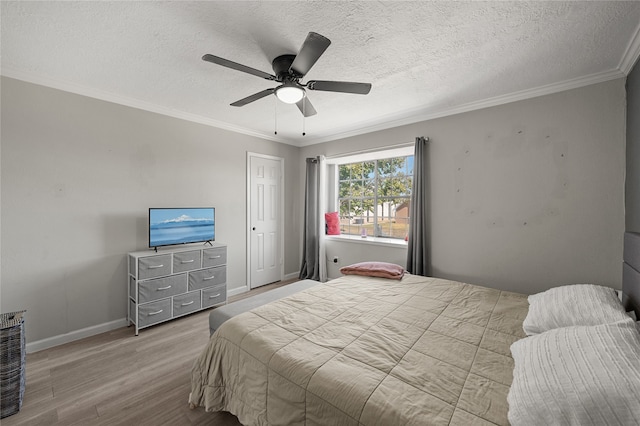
{"x": 374, "y": 197}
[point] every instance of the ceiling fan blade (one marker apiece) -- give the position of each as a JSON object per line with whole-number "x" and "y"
{"x": 312, "y": 48}
{"x": 236, "y": 66}
{"x": 253, "y": 97}
{"x": 305, "y": 107}
{"x": 339, "y": 86}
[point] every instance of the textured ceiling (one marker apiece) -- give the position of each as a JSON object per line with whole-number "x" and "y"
{"x": 424, "y": 59}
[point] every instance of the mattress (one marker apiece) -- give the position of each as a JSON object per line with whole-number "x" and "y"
{"x": 223, "y": 313}
{"x": 366, "y": 351}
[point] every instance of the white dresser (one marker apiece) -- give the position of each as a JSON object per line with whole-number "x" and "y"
{"x": 173, "y": 282}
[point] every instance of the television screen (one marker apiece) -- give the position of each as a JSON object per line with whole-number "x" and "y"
{"x": 168, "y": 226}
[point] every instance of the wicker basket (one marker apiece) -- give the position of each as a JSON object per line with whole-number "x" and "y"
{"x": 12, "y": 362}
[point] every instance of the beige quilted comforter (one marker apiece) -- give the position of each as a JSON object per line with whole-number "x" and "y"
{"x": 366, "y": 351}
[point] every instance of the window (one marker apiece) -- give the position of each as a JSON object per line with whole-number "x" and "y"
{"x": 374, "y": 197}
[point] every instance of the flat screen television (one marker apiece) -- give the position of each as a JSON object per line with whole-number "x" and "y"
{"x": 170, "y": 226}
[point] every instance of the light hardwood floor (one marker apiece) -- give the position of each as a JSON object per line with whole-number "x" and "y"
{"x": 117, "y": 378}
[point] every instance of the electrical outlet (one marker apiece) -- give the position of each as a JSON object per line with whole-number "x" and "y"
{"x": 335, "y": 259}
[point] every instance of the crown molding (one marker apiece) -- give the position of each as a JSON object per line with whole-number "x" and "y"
{"x": 133, "y": 103}
{"x": 631, "y": 54}
{"x": 423, "y": 114}
{"x": 385, "y": 122}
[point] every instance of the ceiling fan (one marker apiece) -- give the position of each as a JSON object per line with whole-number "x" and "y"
{"x": 289, "y": 70}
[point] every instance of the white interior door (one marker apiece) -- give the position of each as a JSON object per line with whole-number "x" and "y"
{"x": 265, "y": 218}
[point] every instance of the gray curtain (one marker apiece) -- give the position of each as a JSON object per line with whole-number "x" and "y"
{"x": 310, "y": 268}
{"x": 417, "y": 254}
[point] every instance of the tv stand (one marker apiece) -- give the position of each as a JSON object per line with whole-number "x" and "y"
{"x": 175, "y": 281}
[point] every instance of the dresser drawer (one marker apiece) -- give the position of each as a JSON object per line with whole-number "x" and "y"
{"x": 154, "y": 266}
{"x": 207, "y": 278}
{"x": 154, "y": 312}
{"x": 214, "y": 295}
{"x": 186, "y": 261}
{"x": 186, "y": 303}
{"x": 171, "y": 283}
{"x": 214, "y": 257}
{"x": 161, "y": 287}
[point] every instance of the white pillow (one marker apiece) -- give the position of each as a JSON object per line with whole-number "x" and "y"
{"x": 577, "y": 376}
{"x": 577, "y": 304}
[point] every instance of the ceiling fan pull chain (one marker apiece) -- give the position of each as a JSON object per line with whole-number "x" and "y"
{"x": 304, "y": 116}
{"x": 275, "y": 116}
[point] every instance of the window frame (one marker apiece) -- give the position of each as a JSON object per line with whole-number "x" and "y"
{"x": 363, "y": 157}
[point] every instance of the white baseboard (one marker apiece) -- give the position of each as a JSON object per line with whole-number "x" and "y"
{"x": 61, "y": 339}
{"x": 72, "y": 336}
{"x": 292, "y": 275}
{"x": 237, "y": 291}
{"x": 246, "y": 288}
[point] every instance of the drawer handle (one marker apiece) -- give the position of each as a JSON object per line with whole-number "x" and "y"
{"x": 155, "y": 313}
{"x": 215, "y": 257}
{"x": 187, "y": 261}
{"x": 209, "y": 278}
{"x": 214, "y": 296}
{"x": 155, "y": 266}
{"x": 163, "y": 288}
{"x": 188, "y": 303}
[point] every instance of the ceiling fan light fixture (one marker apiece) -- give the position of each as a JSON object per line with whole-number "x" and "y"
{"x": 290, "y": 94}
{"x": 288, "y": 71}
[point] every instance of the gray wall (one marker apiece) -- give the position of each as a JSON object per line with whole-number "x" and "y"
{"x": 632, "y": 193}
{"x": 78, "y": 176}
{"x": 524, "y": 196}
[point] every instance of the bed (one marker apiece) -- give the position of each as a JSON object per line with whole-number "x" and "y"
{"x": 360, "y": 350}
{"x": 220, "y": 315}
{"x": 421, "y": 350}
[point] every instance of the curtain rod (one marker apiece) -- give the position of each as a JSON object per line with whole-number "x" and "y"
{"x": 366, "y": 151}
